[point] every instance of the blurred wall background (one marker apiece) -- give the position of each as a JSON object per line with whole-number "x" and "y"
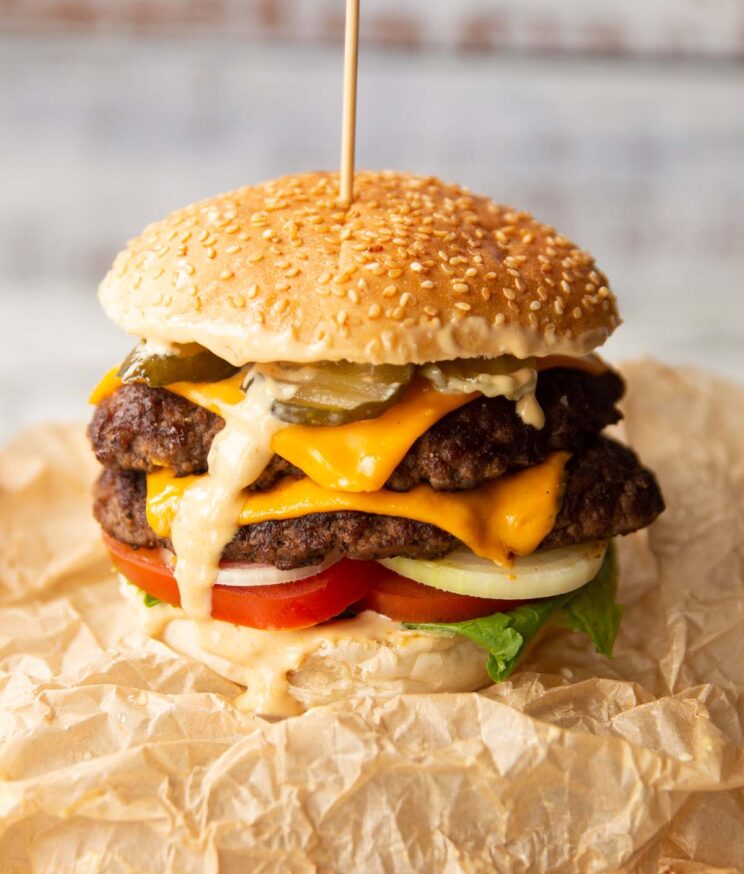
{"x": 620, "y": 122}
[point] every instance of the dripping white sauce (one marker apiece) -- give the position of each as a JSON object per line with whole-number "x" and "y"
{"x": 207, "y": 517}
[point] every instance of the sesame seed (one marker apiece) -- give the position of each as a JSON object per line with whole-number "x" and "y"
{"x": 255, "y": 257}
{"x": 461, "y": 305}
{"x": 292, "y": 272}
{"x": 576, "y": 312}
{"x": 405, "y": 298}
{"x": 226, "y": 274}
{"x": 282, "y": 285}
{"x": 427, "y": 283}
{"x": 374, "y": 311}
{"x": 470, "y": 272}
{"x": 460, "y": 287}
{"x": 252, "y": 291}
{"x": 535, "y": 305}
{"x": 565, "y": 287}
{"x": 416, "y": 267}
{"x": 231, "y": 250}
{"x": 189, "y": 269}
{"x": 508, "y": 293}
{"x": 499, "y": 319}
{"x": 211, "y": 254}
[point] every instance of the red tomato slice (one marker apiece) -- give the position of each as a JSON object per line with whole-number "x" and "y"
{"x": 407, "y": 601}
{"x": 282, "y": 606}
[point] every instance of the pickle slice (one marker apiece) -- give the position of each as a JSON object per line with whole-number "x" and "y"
{"x": 505, "y": 376}
{"x": 334, "y": 392}
{"x": 193, "y": 363}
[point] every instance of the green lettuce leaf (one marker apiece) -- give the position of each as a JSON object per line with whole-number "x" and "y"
{"x": 593, "y": 609}
{"x": 505, "y": 636}
{"x": 150, "y": 600}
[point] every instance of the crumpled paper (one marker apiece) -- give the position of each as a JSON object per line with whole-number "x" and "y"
{"x": 116, "y": 755}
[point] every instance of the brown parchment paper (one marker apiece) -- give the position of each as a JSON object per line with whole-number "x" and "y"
{"x": 116, "y": 755}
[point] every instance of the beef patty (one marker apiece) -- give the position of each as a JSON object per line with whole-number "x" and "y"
{"x": 140, "y": 429}
{"x": 607, "y": 492}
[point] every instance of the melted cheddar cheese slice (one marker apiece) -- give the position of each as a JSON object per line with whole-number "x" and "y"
{"x": 502, "y": 518}
{"x": 361, "y": 456}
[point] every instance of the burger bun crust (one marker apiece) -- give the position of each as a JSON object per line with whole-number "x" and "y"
{"x": 413, "y": 270}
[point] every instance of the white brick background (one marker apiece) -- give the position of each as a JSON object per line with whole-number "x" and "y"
{"x": 638, "y": 156}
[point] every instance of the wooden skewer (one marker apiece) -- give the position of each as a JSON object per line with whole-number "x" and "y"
{"x": 348, "y": 130}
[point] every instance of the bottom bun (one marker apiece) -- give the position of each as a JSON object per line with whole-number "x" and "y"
{"x": 287, "y": 672}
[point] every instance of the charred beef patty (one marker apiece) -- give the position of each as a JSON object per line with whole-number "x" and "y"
{"x": 140, "y": 428}
{"x": 607, "y": 492}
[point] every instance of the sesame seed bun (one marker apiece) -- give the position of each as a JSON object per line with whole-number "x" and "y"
{"x": 414, "y": 270}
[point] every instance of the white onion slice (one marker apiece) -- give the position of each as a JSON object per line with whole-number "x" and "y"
{"x": 540, "y": 575}
{"x": 239, "y": 574}
{"x": 267, "y": 574}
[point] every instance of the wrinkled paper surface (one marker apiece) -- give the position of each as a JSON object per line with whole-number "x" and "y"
{"x": 116, "y": 755}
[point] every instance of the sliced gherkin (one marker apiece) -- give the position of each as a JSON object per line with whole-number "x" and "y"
{"x": 334, "y": 392}
{"x": 505, "y": 376}
{"x": 193, "y": 363}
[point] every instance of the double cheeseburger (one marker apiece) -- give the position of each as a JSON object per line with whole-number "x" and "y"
{"x": 358, "y": 449}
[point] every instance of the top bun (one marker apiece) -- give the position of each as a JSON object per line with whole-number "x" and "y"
{"x": 414, "y": 270}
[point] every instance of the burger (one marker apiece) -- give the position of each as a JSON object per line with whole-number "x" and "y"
{"x": 357, "y": 449}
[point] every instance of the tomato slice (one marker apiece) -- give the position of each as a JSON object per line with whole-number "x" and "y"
{"x": 279, "y": 607}
{"x": 407, "y": 601}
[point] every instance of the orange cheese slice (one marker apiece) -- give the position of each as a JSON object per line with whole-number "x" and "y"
{"x": 107, "y": 386}
{"x": 502, "y": 518}
{"x": 361, "y": 456}
{"x": 213, "y": 396}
